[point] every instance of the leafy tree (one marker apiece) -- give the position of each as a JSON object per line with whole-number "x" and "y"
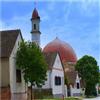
{"x": 99, "y": 83}
{"x": 99, "y": 76}
{"x": 89, "y": 72}
{"x": 30, "y": 60}
{"x": 66, "y": 80}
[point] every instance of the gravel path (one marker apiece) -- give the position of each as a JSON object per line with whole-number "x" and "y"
{"x": 97, "y": 98}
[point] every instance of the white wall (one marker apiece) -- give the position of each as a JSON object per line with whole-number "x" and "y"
{"x": 65, "y": 91}
{"x": 48, "y": 81}
{"x": 15, "y": 87}
{"x": 57, "y": 71}
{"x": 74, "y": 89}
{"x": 37, "y": 22}
{"x": 36, "y": 36}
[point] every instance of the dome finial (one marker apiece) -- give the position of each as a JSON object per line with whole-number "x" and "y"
{"x": 35, "y": 4}
{"x": 35, "y": 14}
{"x": 56, "y": 37}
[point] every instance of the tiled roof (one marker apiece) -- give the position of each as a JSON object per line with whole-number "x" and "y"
{"x": 69, "y": 69}
{"x": 7, "y": 41}
{"x": 35, "y": 14}
{"x": 66, "y": 52}
{"x": 70, "y": 72}
{"x": 50, "y": 58}
{"x": 71, "y": 76}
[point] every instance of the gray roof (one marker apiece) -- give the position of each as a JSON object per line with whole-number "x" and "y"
{"x": 70, "y": 72}
{"x": 7, "y": 41}
{"x": 71, "y": 76}
{"x": 50, "y": 58}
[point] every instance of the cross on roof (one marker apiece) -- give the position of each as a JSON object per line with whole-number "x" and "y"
{"x": 35, "y": 2}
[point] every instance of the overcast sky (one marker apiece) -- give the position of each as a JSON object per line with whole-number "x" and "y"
{"x": 75, "y": 22}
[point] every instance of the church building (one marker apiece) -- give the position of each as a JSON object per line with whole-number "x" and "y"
{"x": 62, "y": 78}
{"x": 61, "y": 59}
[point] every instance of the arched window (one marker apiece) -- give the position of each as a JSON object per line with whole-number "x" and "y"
{"x": 57, "y": 80}
{"x": 78, "y": 86}
{"x": 35, "y": 26}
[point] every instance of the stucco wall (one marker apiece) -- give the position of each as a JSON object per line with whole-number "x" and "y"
{"x": 4, "y": 72}
{"x": 57, "y": 71}
{"x": 36, "y": 36}
{"x": 15, "y": 87}
{"x": 74, "y": 90}
{"x": 47, "y": 84}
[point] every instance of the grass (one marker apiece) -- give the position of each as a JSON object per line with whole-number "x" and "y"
{"x": 69, "y": 98}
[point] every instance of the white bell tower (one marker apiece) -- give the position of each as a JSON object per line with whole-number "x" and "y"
{"x": 35, "y": 27}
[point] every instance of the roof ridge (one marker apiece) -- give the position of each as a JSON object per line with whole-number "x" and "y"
{"x": 8, "y": 39}
{"x": 10, "y": 30}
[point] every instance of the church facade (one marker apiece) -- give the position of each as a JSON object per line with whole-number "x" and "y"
{"x": 60, "y": 58}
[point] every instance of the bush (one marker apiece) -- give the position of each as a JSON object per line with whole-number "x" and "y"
{"x": 99, "y": 91}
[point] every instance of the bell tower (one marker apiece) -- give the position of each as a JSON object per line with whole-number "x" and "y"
{"x": 35, "y": 27}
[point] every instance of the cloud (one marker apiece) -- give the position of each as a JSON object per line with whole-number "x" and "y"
{"x": 80, "y": 29}
{"x": 2, "y": 25}
{"x": 89, "y": 1}
{"x": 18, "y": 22}
{"x": 44, "y": 15}
{"x": 76, "y": 23}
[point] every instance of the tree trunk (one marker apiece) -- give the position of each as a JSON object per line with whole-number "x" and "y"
{"x": 31, "y": 91}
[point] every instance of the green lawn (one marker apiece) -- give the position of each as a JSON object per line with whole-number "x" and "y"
{"x": 70, "y": 98}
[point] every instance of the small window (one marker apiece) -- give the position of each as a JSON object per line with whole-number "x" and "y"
{"x": 77, "y": 85}
{"x": 18, "y": 75}
{"x": 35, "y": 26}
{"x": 57, "y": 80}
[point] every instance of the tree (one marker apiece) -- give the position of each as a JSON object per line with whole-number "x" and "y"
{"x": 99, "y": 82}
{"x": 99, "y": 76}
{"x": 30, "y": 60}
{"x": 89, "y": 72}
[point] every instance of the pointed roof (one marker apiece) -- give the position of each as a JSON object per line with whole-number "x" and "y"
{"x": 70, "y": 73}
{"x": 50, "y": 58}
{"x": 7, "y": 40}
{"x": 35, "y": 14}
{"x": 71, "y": 77}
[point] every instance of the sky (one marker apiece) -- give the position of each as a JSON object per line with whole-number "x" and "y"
{"x": 76, "y": 22}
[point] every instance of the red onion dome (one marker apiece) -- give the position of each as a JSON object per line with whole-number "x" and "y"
{"x": 64, "y": 49}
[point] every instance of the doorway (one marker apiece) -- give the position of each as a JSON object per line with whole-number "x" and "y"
{"x": 68, "y": 91}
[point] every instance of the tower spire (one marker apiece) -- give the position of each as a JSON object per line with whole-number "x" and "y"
{"x": 35, "y": 4}
{"x": 35, "y": 26}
